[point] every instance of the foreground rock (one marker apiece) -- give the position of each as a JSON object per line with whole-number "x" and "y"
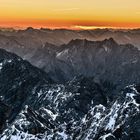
{"x": 32, "y": 106}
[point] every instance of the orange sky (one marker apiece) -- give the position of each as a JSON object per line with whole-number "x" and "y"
{"x": 85, "y": 14}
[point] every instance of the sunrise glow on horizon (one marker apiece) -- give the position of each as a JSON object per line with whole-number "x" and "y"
{"x": 73, "y": 14}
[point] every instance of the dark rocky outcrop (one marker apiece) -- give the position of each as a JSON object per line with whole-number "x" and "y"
{"x": 17, "y": 80}
{"x": 93, "y": 106}
{"x": 104, "y": 60}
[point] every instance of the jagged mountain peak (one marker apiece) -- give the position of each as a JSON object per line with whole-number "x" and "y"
{"x": 77, "y": 41}
{"x": 110, "y": 41}
{"x": 102, "y": 59}
{"x": 85, "y": 42}
{"x": 30, "y": 29}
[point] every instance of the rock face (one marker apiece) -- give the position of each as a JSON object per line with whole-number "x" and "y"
{"x": 17, "y": 78}
{"x": 32, "y": 106}
{"x": 104, "y": 60}
{"x": 31, "y": 44}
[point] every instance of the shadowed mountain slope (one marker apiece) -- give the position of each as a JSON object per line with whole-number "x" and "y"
{"x": 32, "y": 106}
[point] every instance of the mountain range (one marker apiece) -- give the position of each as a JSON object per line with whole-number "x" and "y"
{"x": 63, "y": 87}
{"x": 42, "y": 47}
{"x": 33, "y": 106}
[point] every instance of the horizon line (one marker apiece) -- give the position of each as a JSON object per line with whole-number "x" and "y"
{"x": 69, "y": 28}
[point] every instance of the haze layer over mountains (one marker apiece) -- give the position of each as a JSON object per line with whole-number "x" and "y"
{"x": 68, "y": 53}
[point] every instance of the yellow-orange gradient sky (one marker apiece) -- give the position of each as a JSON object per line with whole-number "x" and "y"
{"x": 85, "y": 14}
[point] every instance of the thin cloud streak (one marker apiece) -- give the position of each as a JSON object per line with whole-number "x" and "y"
{"x": 68, "y": 9}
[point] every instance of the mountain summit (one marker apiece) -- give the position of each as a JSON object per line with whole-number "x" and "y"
{"x": 102, "y": 59}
